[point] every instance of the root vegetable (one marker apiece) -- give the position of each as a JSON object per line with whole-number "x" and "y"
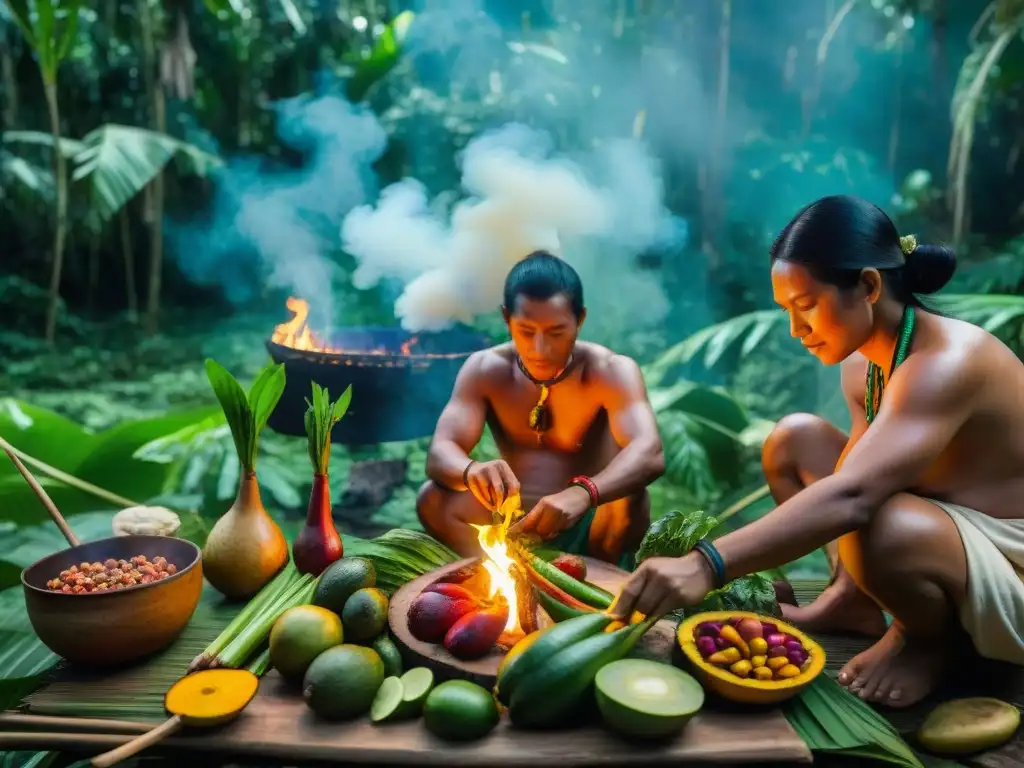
{"x": 720, "y": 643}
{"x": 776, "y": 638}
{"x": 432, "y": 614}
{"x": 475, "y": 634}
{"x": 777, "y": 662}
{"x": 731, "y": 635}
{"x": 758, "y": 647}
{"x": 758, "y": 661}
{"x": 769, "y": 628}
{"x": 709, "y": 629}
{"x": 794, "y": 645}
{"x": 724, "y": 657}
{"x": 706, "y": 646}
{"x": 762, "y": 673}
{"x": 797, "y": 657}
{"x": 788, "y": 671}
{"x": 778, "y": 650}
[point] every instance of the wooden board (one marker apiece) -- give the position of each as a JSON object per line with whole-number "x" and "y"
{"x": 278, "y": 725}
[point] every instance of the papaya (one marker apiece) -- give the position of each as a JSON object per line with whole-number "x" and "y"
{"x": 549, "y": 694}
{"x": 550, "y": 641}
{"x": 557, "y": 610}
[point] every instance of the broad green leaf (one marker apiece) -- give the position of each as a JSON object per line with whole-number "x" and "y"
{"x": 383, "y": 57}
{"x": 46, "y": 435}
{"x": 265, "y": 394}
{"x": 118, "y": 161}
{"x": 110, "y": 463}
{"x": 235, "y": 404}
{"x": 23, "y": 658}
{"x": 69, "y": 147}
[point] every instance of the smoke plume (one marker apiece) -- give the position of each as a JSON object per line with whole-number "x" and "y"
{"x": 598, "y": 211}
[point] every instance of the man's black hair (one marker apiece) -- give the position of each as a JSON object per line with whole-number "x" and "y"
{"x": 541, "y": 276}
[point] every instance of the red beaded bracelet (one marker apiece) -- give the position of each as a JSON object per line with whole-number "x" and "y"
{"x": 588, "y": 485}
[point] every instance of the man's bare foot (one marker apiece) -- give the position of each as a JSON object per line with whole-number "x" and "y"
{"x": 896, "y": 671}
{"x": 842, "y": 607}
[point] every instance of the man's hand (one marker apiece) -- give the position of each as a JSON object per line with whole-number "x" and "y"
{"x": 554, "y": 514}
{"x": 492, "y": 482}
{"x": 663, "y": 584}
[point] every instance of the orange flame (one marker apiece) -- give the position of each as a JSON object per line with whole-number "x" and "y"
{"x": 296, "y": 334}
{"x": 499, "y": 563}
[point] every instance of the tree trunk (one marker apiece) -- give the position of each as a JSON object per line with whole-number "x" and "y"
{"x": 60, "y": 228}
{"x": 713, "y": 200}
{"x": 154, "y": 90}
{"x": 10, "y": 85}
{"x": 129, "y": 265}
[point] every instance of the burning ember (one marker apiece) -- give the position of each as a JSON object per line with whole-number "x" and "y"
{"x": 296, "y": 334}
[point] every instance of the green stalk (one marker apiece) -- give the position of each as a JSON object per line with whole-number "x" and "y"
{"x": 320, "y": 418}
{"x": 249, "y": 639}
{"x": 261, "y": 663}
{"x": 280, "y": 583}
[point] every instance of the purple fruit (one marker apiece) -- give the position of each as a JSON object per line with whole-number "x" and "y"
{"x": 778, "y": 650}
{"x": 776, "y": 638}
{"x": 706, "y": 646}
{"x": 797, "y": 657}
{"x": 794, "y": 645}
{"x": 720, "y": 643}
{"x": 735, "y": 620}
{"x": 769, "y": 628}
{"x": 709, "y": 629}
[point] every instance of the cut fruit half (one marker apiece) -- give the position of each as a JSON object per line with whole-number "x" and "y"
{"x": 416, "y": 685}
{"x": 646, "y": 699}
{"x": 387, "y": 704}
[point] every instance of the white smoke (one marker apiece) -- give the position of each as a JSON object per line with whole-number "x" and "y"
{"x": 598, "y": 212}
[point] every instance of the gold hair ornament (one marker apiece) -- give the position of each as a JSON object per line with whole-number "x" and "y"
{"x": 907, "y": 244}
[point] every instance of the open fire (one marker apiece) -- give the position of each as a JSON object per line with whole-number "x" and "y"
{"x": 297, "y": 334}
{"x": 500, "y": 565}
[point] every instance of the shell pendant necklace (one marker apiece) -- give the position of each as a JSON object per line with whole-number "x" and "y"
{"x": 875, "y": 381}
{"x": 540, "y": 414}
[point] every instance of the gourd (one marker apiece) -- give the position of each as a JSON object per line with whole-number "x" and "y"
{"x": 246, "y": 548}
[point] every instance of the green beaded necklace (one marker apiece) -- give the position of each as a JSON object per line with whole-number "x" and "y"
{"x": 875, "y": 381}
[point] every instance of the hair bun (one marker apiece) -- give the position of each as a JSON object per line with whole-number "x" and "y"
{"x": 929, "y": 268}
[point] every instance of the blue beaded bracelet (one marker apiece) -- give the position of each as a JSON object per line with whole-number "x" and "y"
{"x": 714, "y": 558}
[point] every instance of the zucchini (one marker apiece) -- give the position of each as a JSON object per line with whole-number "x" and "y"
{"x": 551, "y": 641}
{"x": 553, "y": 691}
{"x": 557, "y": 610}
{"x": 581, "y": 590}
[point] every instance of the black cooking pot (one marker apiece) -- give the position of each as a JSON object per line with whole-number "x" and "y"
{"x": 400, "y": 382}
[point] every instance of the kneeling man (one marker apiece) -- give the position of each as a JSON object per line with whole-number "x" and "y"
{"x": 575, "y": 430}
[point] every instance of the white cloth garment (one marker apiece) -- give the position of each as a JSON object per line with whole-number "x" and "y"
{"x": 993, "y": 614}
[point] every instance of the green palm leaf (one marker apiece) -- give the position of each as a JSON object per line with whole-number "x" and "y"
{"x": 118, "y": 161}
{"x": 714, "y": 340}
{"x": 23, "y": 658}
{"x": 993, "y": 312}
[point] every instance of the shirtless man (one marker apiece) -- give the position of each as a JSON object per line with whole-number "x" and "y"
{"x": 602, "y": 433}
{"x": 924, "y": 495}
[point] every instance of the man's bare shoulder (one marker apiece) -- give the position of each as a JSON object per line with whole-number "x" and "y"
{"x": 606, "y": 368}
{"x": 491, "y": 364}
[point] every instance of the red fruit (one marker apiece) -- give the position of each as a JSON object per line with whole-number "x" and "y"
{"x": 475, "y": 634}
{"x": 432, "y": 614}
{"x": 473, "y": 577}
{"x": 573, "y": 565}
{"x": 454, "y": 591}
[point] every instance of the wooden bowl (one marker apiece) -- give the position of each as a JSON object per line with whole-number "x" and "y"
{"x": 114, "y": 628}
{"x": 747, "y": 690}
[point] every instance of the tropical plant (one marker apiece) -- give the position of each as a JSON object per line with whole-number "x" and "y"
{"x": 50, "y": 27}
